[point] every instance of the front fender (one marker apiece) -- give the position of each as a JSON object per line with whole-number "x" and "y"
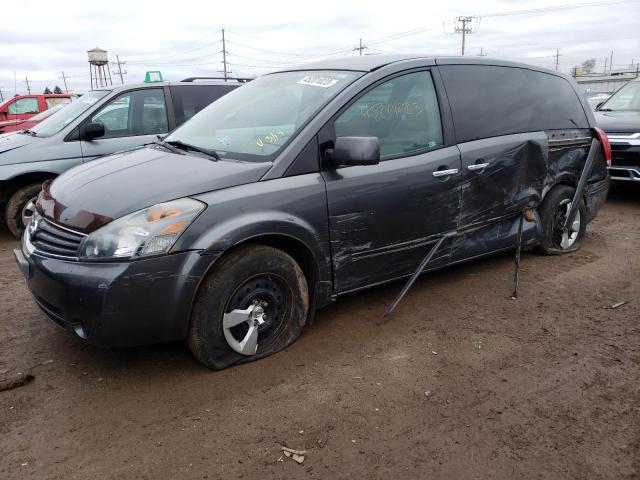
{"x": 294, "y": 208}
{"x": 53, "y": 167}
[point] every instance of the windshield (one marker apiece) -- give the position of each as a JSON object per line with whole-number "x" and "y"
{"x": 255, "y": 121}
{"x": 63, "y": 117}
{"x": 627, "y": 98}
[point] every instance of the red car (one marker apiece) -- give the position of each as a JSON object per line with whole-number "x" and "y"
{"x": 15, "y": 125}
{"x": 22, "y": 107}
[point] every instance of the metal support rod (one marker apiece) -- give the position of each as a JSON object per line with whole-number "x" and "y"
{"x": 586, "y": 171}
{"x": 415, "y": 275}
{"x": 516, "y": 272}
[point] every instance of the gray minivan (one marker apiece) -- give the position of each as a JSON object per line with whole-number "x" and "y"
{"x": 306, "y": 185}
{"x": 101, "y": 122}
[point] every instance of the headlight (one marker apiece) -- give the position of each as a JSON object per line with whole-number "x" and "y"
{"x": 150, "y": 231}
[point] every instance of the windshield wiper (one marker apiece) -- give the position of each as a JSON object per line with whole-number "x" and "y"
{"x": 605, "y": 110}
{"x": 168, "y": 146}
{"x": 185, "y": 146}
{"x": 29, "y": 132}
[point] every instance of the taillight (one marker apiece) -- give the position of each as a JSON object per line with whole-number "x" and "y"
{"x": 606, "y": 146}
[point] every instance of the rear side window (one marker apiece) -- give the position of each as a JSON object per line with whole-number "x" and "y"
{"x": 190, "y": 99}
{"x": 24, "y": 105}
{"x": 403, "y": 113}
{"x": 488, "y": 101}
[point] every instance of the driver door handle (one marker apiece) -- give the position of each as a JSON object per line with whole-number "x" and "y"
{"x": 478, "y": 166}
{"x": 445, "y": 173}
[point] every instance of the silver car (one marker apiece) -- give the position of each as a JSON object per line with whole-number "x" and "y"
{"x": 99, "y": 123}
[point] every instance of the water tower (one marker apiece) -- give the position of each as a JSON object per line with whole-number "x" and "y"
{"x": 99, "y": 68}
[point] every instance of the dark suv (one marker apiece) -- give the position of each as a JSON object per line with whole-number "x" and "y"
{"x": 620, "y": 118}
{"x": 305, "y": 185}
{"x": 101, "y": 122}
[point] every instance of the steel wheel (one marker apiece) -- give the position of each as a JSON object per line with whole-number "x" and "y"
{"x": 255, "y": 313}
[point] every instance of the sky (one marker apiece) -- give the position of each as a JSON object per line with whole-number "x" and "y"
{"x": 183, "y": 39}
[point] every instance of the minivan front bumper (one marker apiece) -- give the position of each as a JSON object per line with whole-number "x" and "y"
{"x": 117, "y": 304}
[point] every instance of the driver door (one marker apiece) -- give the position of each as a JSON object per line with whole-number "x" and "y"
{"x": 384, "y": 218}
{"x": 130, "y": 120}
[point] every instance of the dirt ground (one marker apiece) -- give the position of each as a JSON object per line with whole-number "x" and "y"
{"x": 545, "y": 386}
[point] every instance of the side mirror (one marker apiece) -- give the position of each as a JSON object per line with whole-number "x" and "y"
{"x": 350, "y": 151}
{"x": 93, "y": 130}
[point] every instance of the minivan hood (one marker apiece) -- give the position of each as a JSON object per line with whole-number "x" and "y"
{"x": 91, "y": 195}
{"x": 618, "y": 122}
{"x": 11, "y": 142}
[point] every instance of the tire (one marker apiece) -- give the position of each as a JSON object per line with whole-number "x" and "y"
{"x": 553, "y": 213}
{"x": 249, "y": 277}
{"x": 13, "y": 213}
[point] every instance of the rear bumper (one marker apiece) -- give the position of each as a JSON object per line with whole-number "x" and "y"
{"x": 117, "y": 304}
{"x": 595, "y": 196}
{"x": 625, "y": 162}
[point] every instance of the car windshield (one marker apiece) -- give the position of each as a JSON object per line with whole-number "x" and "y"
{"x": 255, "y": 121}
{"x": 63, "y": 117}
{"x": 627, "y": 98}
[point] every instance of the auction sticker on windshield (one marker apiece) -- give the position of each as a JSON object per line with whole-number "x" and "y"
{"x": 318, "y": 81}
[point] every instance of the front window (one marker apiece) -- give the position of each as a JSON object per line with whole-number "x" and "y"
{"x": 139, "y": 112}
{"x": 23, "y": 106}
{"x": 627, "y": 98}
{"x": 403, "y": 113}
{"x": 65, "y": 116}
{"x": 255, "y": 121}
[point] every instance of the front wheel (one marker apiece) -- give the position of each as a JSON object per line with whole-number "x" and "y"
{"x": 553, "y": 213}
{"x": 20, "y": 208}
{"x": 252, "y": 304}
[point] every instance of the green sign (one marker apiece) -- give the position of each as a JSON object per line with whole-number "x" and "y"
{"x": 153, "y": 77}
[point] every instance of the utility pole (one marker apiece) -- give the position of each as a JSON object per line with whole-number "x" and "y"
{"x": 1, "y": 96}
{"x": 557, "y": 59}
{"x": 120, "y": 64}
{"x": 28, "y": 87}
{"x": 224, "y": 56}
{"x": 64, "y": 79}
{"x": 482, "y": 54}
{"x": 463, "y": 28}
{"x": 605, "y": 65}
{"x": 611, "y": 63}
{"x": 360, "y": 48}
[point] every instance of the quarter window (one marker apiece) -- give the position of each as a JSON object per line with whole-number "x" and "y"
{"x": 488, "y": 101}
{"x": 141, "y": 112}
{"x": 23, "y": 106}
{"x": 403, "y": 113}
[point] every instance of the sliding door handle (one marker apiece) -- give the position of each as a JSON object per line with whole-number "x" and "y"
{"x": 478, "y": 166}
{"x": 445, "y": 173}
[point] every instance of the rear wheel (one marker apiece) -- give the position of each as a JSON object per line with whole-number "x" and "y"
{"x": 20, "y": 208}
{"x": 254, "y": 303}
{"x": 553, "y": 213}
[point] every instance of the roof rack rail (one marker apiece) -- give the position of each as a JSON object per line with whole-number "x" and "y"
{"x": 237, "y": 79}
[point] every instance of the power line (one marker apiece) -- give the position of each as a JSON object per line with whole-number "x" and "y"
{"x": 174, "y": 54}
{"x": 557, "y": 7}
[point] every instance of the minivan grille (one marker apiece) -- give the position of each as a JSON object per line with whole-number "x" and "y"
{"x": 50, "y": 239}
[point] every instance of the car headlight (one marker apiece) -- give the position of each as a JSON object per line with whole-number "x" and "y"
{"x": 150, "y": 231}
